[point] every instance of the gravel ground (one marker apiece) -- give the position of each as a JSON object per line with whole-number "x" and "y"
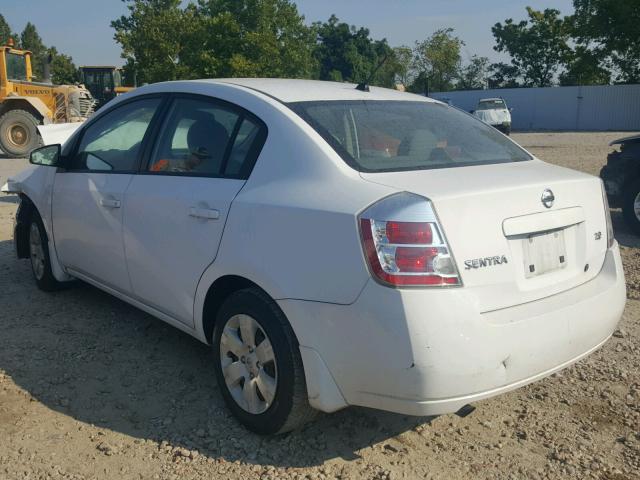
{"x": 93, "y": 388}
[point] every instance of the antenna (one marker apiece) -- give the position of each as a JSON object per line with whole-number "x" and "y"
{"x": 364, "y": 86}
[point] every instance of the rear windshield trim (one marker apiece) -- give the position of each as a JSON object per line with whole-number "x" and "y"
{"x": 299, "y": 109}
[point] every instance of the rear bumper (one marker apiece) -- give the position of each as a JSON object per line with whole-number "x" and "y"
{"x": 429, "y": 352}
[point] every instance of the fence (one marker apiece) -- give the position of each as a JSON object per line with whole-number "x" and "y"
{"x": 589, "y": 108}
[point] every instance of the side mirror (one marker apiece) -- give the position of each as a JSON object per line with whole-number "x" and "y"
{"x": 511, "y": 109}
{"x": 47, "y": 156}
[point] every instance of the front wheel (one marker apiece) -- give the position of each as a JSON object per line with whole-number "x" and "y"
{"x": 39, "y": 256}
{"x": 631, "y": 205}
{"x": 258, "y": 365}
{"x": 19, "y": 133}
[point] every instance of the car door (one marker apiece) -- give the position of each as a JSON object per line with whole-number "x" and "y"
{"x": 88, "y": 194}
{"x": 175, "y": 209}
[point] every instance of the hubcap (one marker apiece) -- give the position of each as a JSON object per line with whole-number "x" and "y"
{"x": 37, "y": 251}
{"x": 248, "y": 364}
{"x": 636, "y": 206}
{"x": 18, "y": 135}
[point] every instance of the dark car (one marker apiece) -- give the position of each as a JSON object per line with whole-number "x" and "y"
{"x": 621, "y": 176}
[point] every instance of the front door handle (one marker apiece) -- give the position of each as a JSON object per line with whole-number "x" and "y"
{"x": 206, "y": 213}
{"x": 110, "y": 202}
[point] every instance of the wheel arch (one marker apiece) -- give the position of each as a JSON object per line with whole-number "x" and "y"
{"x": 216, "y": 294}
{"x": 21, "y": 232}
{"x": 24, "y": 214}
{"x": 322, "y": 391}
{"x": 34, "y": 106}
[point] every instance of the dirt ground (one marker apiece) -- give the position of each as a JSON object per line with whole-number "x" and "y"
{"x": 93, "y": 388}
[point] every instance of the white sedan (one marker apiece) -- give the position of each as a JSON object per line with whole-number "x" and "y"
{"x": 335, "y": 245}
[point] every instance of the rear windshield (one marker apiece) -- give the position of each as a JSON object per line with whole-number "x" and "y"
{"x": 388, "y": 136}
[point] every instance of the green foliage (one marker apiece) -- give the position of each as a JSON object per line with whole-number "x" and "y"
{"x": 6, "y": 33}
{"x": 153, "y": 38}
{"x": 538, "y": 46}
{"x": 437, "y": 60}
{"x": 254, "y": 38}
{"x": 63, "y": 70}
{"x": 473, "y": 76}
{"x": 347, "y": 53}
{"x": 503, "y": 76}
{"x": 611, "y": 30}
{"x": 585, "y": 67}
{"x": 161, "y": 40}
{"x": 403, "y": 59}
{"x": 30, "y": 40}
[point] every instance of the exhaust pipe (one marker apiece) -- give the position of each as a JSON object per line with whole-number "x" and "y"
{"x": 46, "y": 70}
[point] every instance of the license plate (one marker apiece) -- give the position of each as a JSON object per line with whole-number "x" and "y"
{"x": 544, "y": 253}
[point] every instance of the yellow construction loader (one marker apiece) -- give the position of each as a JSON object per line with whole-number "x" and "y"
{"x": 25, "y": 104}
{"x": 104, "y": 82}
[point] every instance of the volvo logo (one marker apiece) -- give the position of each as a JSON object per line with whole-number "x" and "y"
{"x": 547, "y": 198}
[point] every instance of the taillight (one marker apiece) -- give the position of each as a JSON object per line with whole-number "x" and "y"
{"x": 404, "y": 244}
{"x": 607, "y": 216}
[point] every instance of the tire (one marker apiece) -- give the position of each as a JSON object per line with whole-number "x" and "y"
{"x": 19, "y": 133}
{"x": 631, "y": 205}
{"x": 284, "y": 405}
{"x": 39, "y": 256}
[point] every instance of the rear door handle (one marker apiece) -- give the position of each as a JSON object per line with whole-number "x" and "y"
{"x": 206, "y": 213}
{"x": 110, "y": 202}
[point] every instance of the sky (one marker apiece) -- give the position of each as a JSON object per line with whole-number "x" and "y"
{"x": 81, "y": 28}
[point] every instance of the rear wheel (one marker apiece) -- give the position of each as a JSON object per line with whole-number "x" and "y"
{"x": 19, "y": 133}
{"x": 631, "y": 205}
{"x": 258, "y": 365}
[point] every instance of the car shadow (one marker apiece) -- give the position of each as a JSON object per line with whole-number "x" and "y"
{"x": 88, "y": 355}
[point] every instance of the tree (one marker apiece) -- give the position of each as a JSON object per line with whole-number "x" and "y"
{"x": 611, "y": 30}
{"x": 153, "y": 39}
{"x": 538, "y": 46}
{"x": 503, "y": 76}
{"x": 473, "y": 76}
{"x": 585, "y": 67}
{"x": 161, "y": 40}
{"x": 347, "y": 53}
{"x": 6, "y": 33}
{"x": 437, "y": 61}
{"x": 63, "y": 70}
{"x": 30, "y": 40}
{"x": 254, "y": 38}
{"x": 403, "y": 57}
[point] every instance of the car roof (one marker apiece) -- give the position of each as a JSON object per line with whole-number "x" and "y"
{"x": 296, "y": 90}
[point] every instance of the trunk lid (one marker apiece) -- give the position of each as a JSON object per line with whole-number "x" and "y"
{"x": 508, "y": 246}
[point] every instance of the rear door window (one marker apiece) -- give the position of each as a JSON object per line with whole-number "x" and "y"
{"x": 202, "y": 137}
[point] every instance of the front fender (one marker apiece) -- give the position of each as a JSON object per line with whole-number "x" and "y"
{"x": 34, "y": 184}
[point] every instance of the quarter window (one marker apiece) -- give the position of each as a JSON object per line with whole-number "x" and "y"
{"x": 243, "y": 152}
{"x": 113, "y": 142}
